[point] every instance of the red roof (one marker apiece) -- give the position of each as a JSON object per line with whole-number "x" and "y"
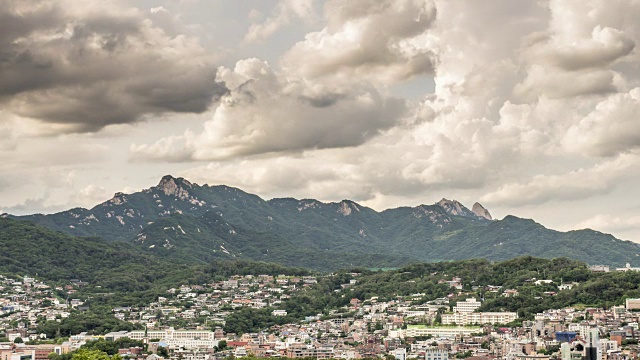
{"x": 237, "y": 343}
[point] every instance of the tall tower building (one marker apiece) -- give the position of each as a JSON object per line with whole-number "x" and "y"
{"x": 565, "y": 351}
{"x": 593, "y": 350}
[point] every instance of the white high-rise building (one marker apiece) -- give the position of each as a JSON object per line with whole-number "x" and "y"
{"x": 565, "y": 351}
{"x": 593, "y": 350}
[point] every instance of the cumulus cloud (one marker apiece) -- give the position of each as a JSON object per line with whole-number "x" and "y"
{"x": 611, "y": 128}
{"x": 86, "y": 66}
{"x": 578, "y": 184}
{"x": 283, "y": 13}
{"x": 268, "y": 113}
{"x": 270, "y": 177}
{"x": 381, "y": 41}
{"x": 570, "y": 52}
{"x": 554, "y": 83}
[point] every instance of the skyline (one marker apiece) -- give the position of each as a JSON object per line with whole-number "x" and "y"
{"x": 530, "y": 109}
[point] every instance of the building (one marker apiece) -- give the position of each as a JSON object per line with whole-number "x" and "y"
{"x": 532, "y": 357}
{"x": 113, "y": 336}
{"x": 303, "y": 350}
{"x": 599, "y": 268}
{"x": 608, "y": 347}
{"x": 627, "y": 267}
{"x": 41, "y": 352}
{"x": 400, "y": 354}
{"x": 593, "y": 350}
{"x": 479, "y": 318}
{"x": 468, "y": 306}
{"x": 565, "y": 351}
{"x": 436, "y": 354}
{"x": 565, "y": 336}
{"x": 449, "y": 332}
{"x": 632, "y": 304}
{"x": 188, "y": 339}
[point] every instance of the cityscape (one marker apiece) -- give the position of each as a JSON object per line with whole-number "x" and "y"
{"x": 188, "y": 322}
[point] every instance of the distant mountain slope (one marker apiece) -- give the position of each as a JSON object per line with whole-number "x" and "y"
{"x": 28, "y": 249}
{"x": 191, "y": 223}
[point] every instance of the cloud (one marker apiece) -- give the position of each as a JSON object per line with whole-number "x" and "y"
{"x": 89, "y": 196}
{"x": 579, "y": 184}
{"x": 167, "y": 149}
{"x": 380, "y": 41}
{"x": 265, "y": 112}
{"x": 605, "y": 46}
{"x": 283, "y": 13}
{"x": 270, "y": 178}
{"x": 88, "y": 66}
{"x": 34, "y": 206}
{"x": 563, "y": 65}
{"x": 611, "y": 223}
{"x": 611, "y": 128}
{"x": 553, "y": 83}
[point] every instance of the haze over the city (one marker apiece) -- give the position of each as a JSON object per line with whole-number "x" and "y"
{"x": 530, "y": 108}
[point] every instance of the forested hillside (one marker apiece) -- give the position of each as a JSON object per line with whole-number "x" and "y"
{"x": 188, "y": 223}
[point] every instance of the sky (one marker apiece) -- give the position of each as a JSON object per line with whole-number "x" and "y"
{"x": 529, "y": 107}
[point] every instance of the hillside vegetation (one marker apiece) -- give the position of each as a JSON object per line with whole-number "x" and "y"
{"x": 192, "y": 224}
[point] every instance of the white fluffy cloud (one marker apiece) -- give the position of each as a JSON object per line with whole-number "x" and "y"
{"x": 282, "y": 15}
{"x": 265, "y": 112}
{"x": 611, "y": 128}
{"x": 508, "y": 108}
{"x": 380, "y": 41}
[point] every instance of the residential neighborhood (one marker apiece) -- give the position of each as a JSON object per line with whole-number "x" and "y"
{"x": 189, "y": 323}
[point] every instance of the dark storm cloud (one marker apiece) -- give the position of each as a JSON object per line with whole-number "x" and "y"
{"x": 92, "y": 68}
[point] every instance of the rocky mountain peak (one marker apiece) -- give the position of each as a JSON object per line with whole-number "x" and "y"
{"x": 481, "y": 211}
{"x": 171, "y": 186}
{"x": 346, "y": 207}
{"x": 453, "y": 207}
{"x": 118, "y": 198}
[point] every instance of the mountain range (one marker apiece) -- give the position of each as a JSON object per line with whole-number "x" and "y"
{"x": 190, "y": 223}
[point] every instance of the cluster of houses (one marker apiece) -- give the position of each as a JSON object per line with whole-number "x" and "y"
{"x": 209, "y": 304}
{"x": 402, "y": 328}
{"x": 25, "y": 301}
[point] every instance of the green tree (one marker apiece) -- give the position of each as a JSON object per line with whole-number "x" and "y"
{"x": 162, "y": 351}
{"x": 222, "y": 345}
{"x": 86, "y": 354}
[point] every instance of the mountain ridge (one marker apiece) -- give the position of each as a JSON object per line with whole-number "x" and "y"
{"x": 198, "y": 223}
